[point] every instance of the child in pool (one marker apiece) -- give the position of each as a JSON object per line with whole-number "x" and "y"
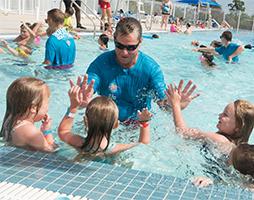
{"x": 22, "y": 51}
{"x": 206, "y": 59}
{"x": 101, "y": 117}
{"x": 27, "y": 103}
{"x": 242, "y": 159}
{"x": 68, "y": 22}
{"x": 29, "y": 34}
{"x": 234, "y": 126}
{"x": 103, "y": 42}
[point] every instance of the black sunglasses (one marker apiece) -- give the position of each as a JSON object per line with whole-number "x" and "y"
{"x": 128, "y": 47}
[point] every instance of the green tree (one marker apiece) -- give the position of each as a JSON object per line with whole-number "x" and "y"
{"x": 236, "y": 5}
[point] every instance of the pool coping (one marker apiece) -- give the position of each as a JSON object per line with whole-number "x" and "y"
{"x": 95, "y": 180}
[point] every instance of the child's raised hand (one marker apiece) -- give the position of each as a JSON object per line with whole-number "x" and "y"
{"x": 46, "y": 123}
{"x": 75, "y": 96}
{"x": 4, "y": 43}
{"x": 144, "y": 115}
{"x": 173, "y": 95}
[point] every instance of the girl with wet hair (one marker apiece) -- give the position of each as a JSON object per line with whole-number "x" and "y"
{"x": 27, "y": 103}
{"x": 235, "y": 123}
{"x": 101, "y": 117}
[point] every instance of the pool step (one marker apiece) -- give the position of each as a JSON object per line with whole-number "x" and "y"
{"x": 11, "y": 191}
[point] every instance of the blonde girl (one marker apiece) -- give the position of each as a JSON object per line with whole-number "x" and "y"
{"x": 101, "y": 117}
{"x": 235, "y": 123}
{"x": 27, "y": 103}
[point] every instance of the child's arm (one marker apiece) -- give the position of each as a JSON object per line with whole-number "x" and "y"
{"x": 144, "y": 136}
{"x": 144, "y": 118}
{"x": 65, "y": 127}
{"x": 80, "y": 95}
{"x": 46, "y": 130}
{"x": 32, "y": 32}
{"x": 10, "y": 49}
{"x": 30, "y": 136}
{"x": 174, "y": 98}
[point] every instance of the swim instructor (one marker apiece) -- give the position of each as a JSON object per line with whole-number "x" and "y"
{"x": 60, "y": 46}
{"x": 130, "y": 77}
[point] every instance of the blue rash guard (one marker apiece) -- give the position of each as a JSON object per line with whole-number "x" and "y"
{"x": 60, "y": 48}
{"x": 227, "y": 51}
{"x": 132, "y": 89}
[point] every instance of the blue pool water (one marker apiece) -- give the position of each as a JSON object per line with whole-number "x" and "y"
{"x": 168, "y": 153}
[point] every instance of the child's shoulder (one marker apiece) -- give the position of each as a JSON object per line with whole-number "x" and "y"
{"x": 24, "y": 129}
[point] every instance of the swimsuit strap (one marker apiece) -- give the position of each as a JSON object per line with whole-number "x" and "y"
{"x": 20, "y": 123}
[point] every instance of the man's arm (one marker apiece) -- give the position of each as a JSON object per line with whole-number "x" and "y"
{"x": 237, "y": 52}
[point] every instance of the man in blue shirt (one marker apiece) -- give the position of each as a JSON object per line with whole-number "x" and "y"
{"x": 228, "y": 50}
{"x": 131, "y": 78}
{"x": 60, "y": 46}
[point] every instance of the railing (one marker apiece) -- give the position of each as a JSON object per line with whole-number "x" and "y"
{"x": 85, "y": 13}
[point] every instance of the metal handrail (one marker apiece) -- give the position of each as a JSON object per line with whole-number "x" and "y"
{"x": 94, "y": 26}
{"x": 87, "y": 7}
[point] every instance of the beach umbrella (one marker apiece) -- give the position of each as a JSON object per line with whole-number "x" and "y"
{"x": 211, "y": 3}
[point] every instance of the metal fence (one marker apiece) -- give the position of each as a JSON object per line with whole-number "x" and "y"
{"x": 40, "y": 7}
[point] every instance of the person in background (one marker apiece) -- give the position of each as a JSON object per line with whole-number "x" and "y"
{"x": 106, "y": 12}
{"x": 69, "y": 4}
{"x": 22, "y": 51}
{"x": 60, "y": 47}
{"x": 230, "y": 51}
{"x": 18, "y": 128}
{"x": 68, "y": 23}
{"x": 188, "y": 30}
{"x": 166, "y": 10}
{"x": 103, "y": 42}
{"x": 206, "y": 59}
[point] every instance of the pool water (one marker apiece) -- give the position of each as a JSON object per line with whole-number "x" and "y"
{"x": 168, "y": 153}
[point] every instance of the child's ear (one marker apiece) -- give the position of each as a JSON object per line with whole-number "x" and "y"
{"x": 116, "y": 125}
{"x": 33, "y": 109}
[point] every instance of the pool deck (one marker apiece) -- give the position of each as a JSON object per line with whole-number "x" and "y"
{"x": 10, "y": 23}
{"x": 99, "y": 181}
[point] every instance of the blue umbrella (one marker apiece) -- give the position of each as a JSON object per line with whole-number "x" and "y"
{"x": 211, "y": 3}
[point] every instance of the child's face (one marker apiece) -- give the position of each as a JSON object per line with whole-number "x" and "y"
{"x": 227, "y": 121}
{"x": 44, "y": 107}
{"x": 24, "y": 33}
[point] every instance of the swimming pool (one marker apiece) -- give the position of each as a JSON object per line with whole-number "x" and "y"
{"x": 168, "y": 153}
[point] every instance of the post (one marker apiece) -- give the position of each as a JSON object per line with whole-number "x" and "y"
{"x": 174, "y": 10}
{"x": 128, "y": 5}
{"x": 239, "y": 20}
{"x": 19, "y": 7}
{"x": 184, "y": 12}
{"x": 38, "y": 10}
{"x": 23, "y": 6}
{"x": 252, "y": 26}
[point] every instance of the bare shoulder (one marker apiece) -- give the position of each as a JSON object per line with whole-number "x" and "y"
{"x": 216, "y": 137}
{"x": 26, "y": 131}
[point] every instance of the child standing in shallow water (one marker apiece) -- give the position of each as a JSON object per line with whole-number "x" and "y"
{"x": 101, "y": 117}
{"x": 27, "y": 103}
